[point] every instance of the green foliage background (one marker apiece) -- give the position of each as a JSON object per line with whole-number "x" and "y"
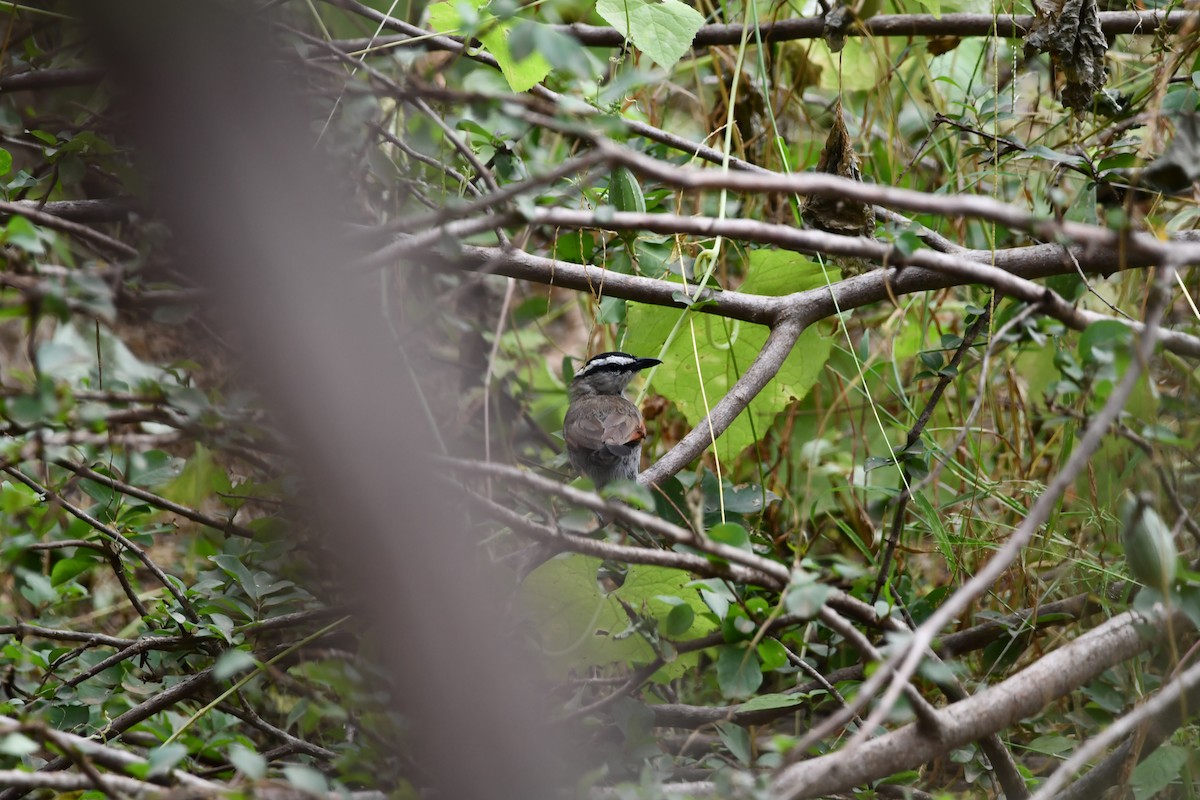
{"x": 132, "y": 438}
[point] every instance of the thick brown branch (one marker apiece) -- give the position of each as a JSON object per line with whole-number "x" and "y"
{"x": 1002, "y": 25}
{"x": 1022, "y": 695}
{"x": 51, "y": 79}
{"x": 98, "y": 241}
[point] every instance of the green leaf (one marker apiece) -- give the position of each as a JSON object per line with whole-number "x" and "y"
{"x": 231, "y": 663}
{"x": 766, "y": 701}
{"x": 730, "y": 533}
{"x": 1189, "y": 602}
{"x": 726, "y": 349}
{"x": 6, "y": 162}
{"x": 17, "y": 497}
{"x": 662, "y": 29}
{"x": 717, "y": 603}
{"x": 772, "y": 653}
{"x": 248, "y": 762}
{"x": 521, "y": 74}
{"x": 563, "y": 52}
{"x": 36, "y": 588}
{"x": 234, "y": 568}
{"x": 196, "y": 482}
{"x": 679, "y": 620}
{"x": 624, "y": 191}
{"x": 577, "y": 625}
{"x": 737, "y": 739}
{"x": 21, "y": 233}
{"x": 1158, "y": 771}
{"x": 153, "y": 468}
{"x": 17, "y": 744}
{"x": 805, "y": 598}
{"x": 934, "y": 7}
{"x": 1053, "y": 745}
{"x": 857, "y": 67}
{"x": 748, "y": 499}
{"x": 70, "y": 568}
{"x": 1101, "y": 340}
{"x": 631, "y": 493}
{"x": 67, "y": 717}
{"x": 163, "y": 759}
{"x": 1042, "y": 152}
{"x": 737, "y": 626}
{"x": 738, "y": 671}
{"x": 306, "y": 779}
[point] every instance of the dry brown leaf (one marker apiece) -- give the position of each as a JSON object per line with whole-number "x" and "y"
{"x": 1070, "y": 31}
{"x": 837, "y": 214}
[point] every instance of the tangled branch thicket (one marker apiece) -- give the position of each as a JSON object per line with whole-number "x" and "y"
{"x": 876, "y": 541}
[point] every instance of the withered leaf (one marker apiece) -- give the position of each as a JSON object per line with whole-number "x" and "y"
{"x": 834, "y": 214}
{"x": 938, "y": 45}
{"x": 839, "y": 214}
{"x": 1070, "y": 31}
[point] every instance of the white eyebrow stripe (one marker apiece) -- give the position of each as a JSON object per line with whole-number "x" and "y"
{"x": 596, "y": 364}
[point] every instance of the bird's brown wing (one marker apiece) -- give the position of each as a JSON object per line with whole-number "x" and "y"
{"x": 599, "y": 429}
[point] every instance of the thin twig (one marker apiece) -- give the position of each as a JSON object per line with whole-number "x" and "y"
{"x": 948, "y": 374}
{"x": 110, "y": 533}
{"x": 1093, "y": 435}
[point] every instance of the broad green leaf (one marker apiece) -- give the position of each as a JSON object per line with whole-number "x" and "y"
{"x": 726, "y": 349}
{"x": 163, "y": 759}
{"x": 630, "y": 493}
{"x": 234, "y": 568}
{"x": 716, "y": 601}
{"x": 934, "y": 7}
{"x": 1157, "y": 772}
{"x": 306, "y": 779}
{"x": 645, "y": 585}
{"x": 679, "y": 620}
{"x": 1046, "y": 154}
{"x": 738, "y": 671}
{"x": 1053, "y": 745}
{"x": 737, "y": 739}
{"x": 577, "y": 624}
{"x": 730, "y": 533}
{"x": 231, "y": 663}
{"x": 662, "y": 29}
{"x": 198, "y": 479}
{"x": 67, "y": 717}
{"x": 21, "y": 233}
{"x": 1101, "y": 341}
{"x": 766, "y": 701}
{"x": 36, "y": 588}
{"x": 521, "y": 74}
{"x": 17, "y": 744}
{"x": 563, "y": 52}
{"x": 70, "y": 568}
{"x": 806, "y": 598}
{"x": 737, "y": 626}
{"x": 17, "y": 497}
{"x": 247, "y": 762}
{"x": 857, "y": 65}
{"x": 772, "y": 653}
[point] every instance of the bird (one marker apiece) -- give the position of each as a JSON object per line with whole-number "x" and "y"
{"x": 604, "y": 430}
